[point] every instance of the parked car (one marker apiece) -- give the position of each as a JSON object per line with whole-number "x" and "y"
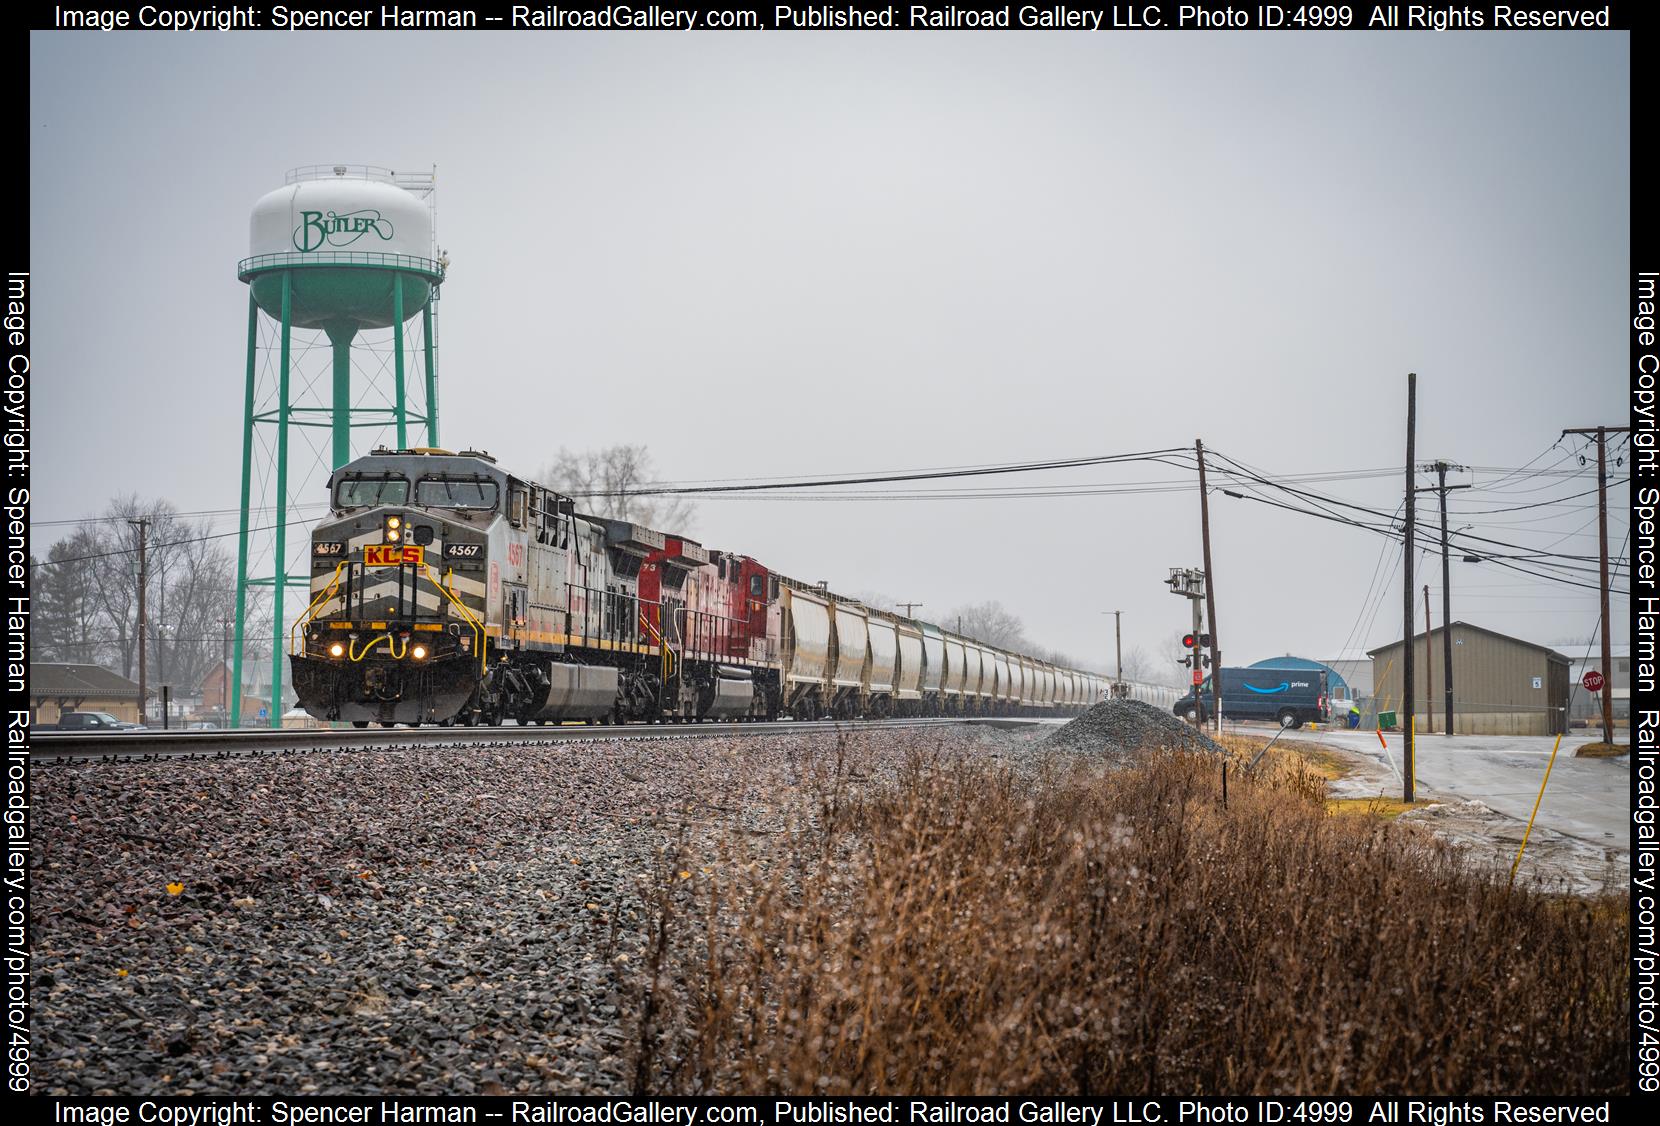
{"x": 91, "y": 721}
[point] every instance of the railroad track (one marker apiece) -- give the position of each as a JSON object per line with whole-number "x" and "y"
{"x": 60, "y": 748}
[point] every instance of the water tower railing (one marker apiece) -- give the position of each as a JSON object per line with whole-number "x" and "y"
{"x": 364, "y": 258}
{"x": 340, "y": 172}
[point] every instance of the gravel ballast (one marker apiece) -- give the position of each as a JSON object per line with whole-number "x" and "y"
{"x": 453, "y": 920}
{"x": 1123, "y": 729}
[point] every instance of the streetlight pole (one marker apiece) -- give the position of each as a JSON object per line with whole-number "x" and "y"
{"x": 143, "y": 526}
{"x": 1118, "y": 639}
{"x": 225, "y": 668}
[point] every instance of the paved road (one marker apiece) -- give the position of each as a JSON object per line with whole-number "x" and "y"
{"x": 1587, "y": 798}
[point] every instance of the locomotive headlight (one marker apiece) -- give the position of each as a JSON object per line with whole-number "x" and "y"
{"x": 337, "y": 650}
{"x": 394, "y": 529}
{"x": 419, "y": 652}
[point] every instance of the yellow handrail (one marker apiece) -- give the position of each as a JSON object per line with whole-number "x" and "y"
{"x": 466, "y": 614}
{"x": 667, "y": 654}
{"x": 328, "y": 592}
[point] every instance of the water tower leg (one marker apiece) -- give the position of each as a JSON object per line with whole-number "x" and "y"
{"x": 341, "y": 333}
{"x": 279, "y": 578}
{"x": 432, "y": 376}
{"x": 397, "y": 353}
{"x": 242, "y": 540}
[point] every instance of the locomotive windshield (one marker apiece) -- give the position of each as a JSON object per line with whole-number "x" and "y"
{"x": 366, "y": 491}
{"x": 456, "y": 492}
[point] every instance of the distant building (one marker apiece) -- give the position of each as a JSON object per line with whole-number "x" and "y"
{"x": 56, "y": 688}
{"x": 213, "y": 704}
{"x": 1501, "y": 685}
{"x": 1339, "y": 688}
{"x": 212, "y": 689}
{"x": 1355, "y": 666}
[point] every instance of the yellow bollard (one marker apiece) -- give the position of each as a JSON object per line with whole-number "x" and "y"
{"x": 1535, "y": 813}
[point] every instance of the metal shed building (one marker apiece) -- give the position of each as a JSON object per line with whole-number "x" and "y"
{"x": 1501, "y": 685}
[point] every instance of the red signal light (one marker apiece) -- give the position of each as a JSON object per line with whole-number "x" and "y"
{"x": 1189, "y": 641}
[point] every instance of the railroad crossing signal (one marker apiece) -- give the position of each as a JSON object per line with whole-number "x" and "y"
{"x": 1195, "y": 660}
{"x": 1592, "y": 680}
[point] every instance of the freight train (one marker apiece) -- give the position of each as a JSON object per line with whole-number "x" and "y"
{"x": 447, "y": 590}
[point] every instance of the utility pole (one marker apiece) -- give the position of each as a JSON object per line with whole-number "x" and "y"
{"x": 1602, "y": 433}
{"x": 1411, "y": 523}
{"x": 143, "y": 526}
{"x": 1429, "y": 666}
{"x": 1118, "y": 640}
{"x": 1440, "y": 469}
{"x": 910, "y": 608}
{"x": 1210, "y": 584}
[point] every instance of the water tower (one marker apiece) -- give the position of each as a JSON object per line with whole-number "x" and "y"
{"x": 342, "y": 262}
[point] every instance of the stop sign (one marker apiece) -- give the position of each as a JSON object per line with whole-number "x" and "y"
{"x": 1592, "y": 680}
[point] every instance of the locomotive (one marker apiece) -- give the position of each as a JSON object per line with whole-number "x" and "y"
{"x": 447, "y": 590}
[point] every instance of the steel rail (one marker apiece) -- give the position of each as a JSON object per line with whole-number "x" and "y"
{"x": 59, "y": 748}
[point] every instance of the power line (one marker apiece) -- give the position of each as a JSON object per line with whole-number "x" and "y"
{"x": 1316, "y": 498}
{"x": 1535, "y": 504}
{"x": 927, "y": 475}
{"x": 169, "y": 543}
{"x": 1390, "y": 531}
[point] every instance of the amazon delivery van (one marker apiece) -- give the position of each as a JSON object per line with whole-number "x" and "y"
{"x": 1290, "y": 697}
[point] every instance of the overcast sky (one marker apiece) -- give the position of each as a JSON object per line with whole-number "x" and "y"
{"x": 768, "y": 254}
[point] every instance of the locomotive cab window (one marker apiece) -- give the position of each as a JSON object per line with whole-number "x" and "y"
{"x": 459, "y": 492}
{"x": 365, "y": 490}
{"x": 756, "y": 586}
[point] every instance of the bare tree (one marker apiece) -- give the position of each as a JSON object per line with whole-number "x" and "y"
{"x": 1139, "y": 666}
{"x": 1064, "y": 660}
{"x": 605, "y": 483}
{"x": 89, "y": 587}
{"x": 196, "y": 588}
{"x": 990, "y": 624}
{"x": 876, "y": 600}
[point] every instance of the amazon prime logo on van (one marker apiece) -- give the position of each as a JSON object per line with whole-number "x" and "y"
{"x": 319, "y": 227}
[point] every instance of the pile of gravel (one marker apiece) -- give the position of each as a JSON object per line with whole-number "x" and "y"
{"x": 1123, "y": 729}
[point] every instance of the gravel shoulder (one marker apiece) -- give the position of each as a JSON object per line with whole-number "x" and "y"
{"x": 431, "y": 921}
